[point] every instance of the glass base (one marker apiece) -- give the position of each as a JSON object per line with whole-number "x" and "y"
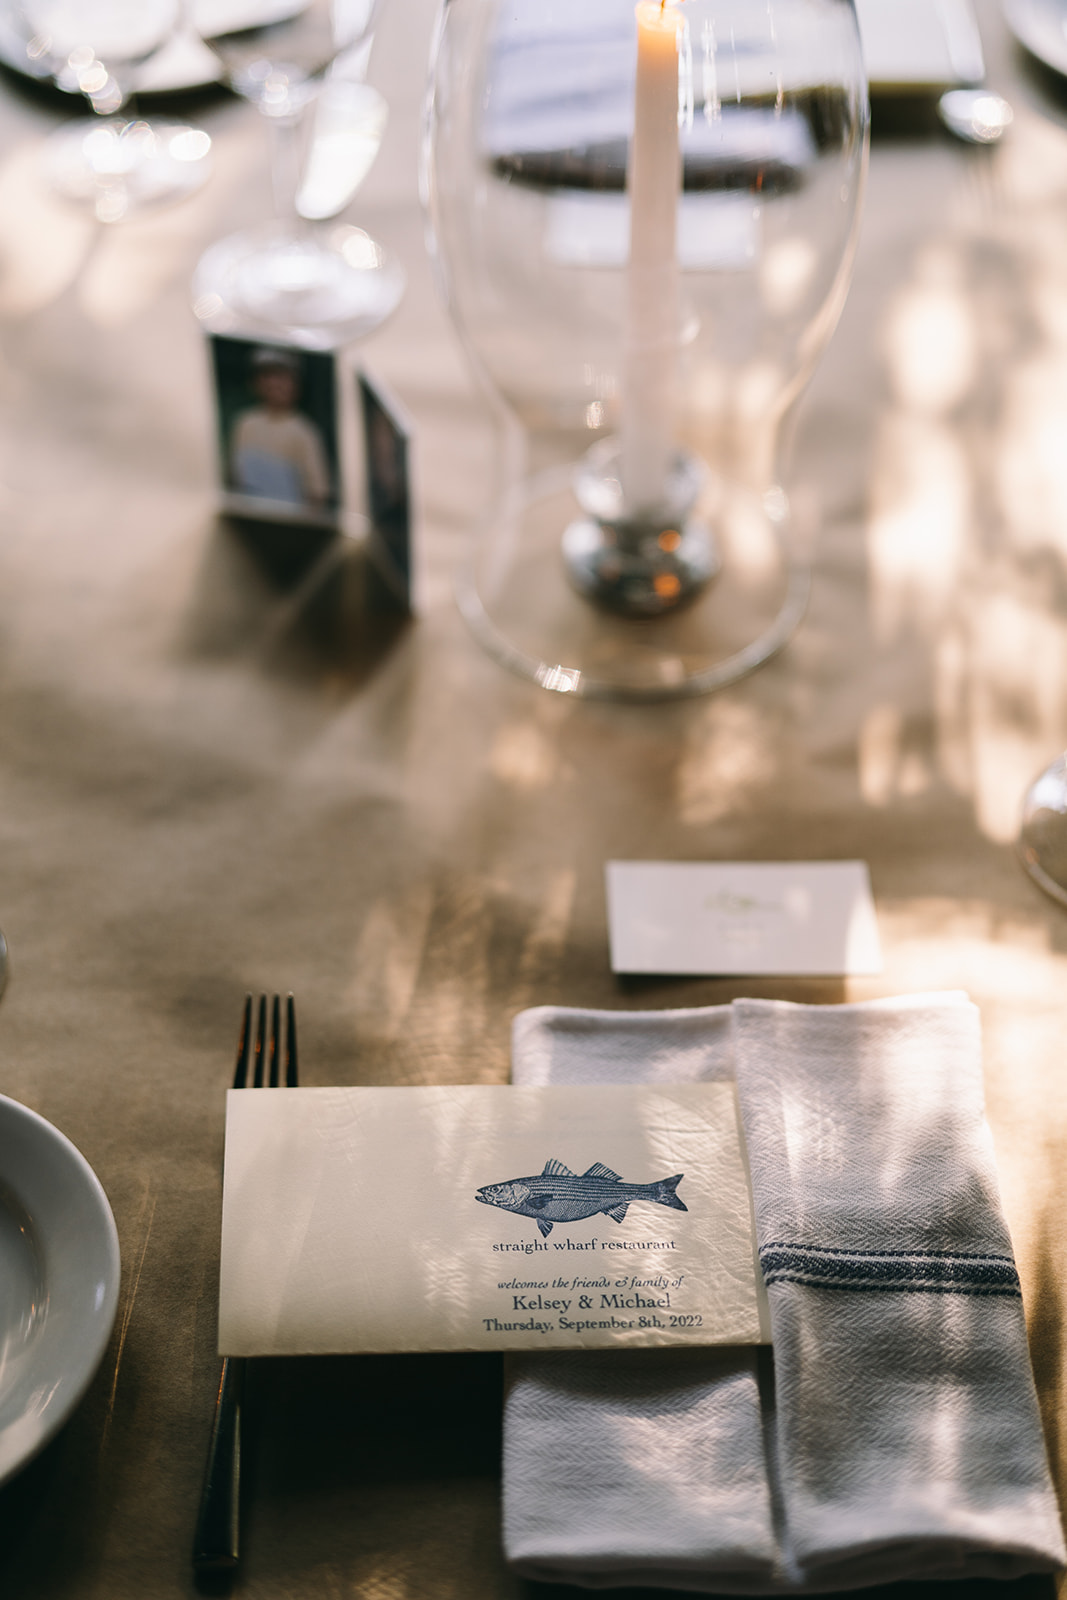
{"x": 1042, "y": 842}
{"x": 640, "y": 571}
{"x": 645, "y": 564}
{"x": 119, "y": 167}
{"x": 322, "y": 291}
{"x": 519, "y": 600}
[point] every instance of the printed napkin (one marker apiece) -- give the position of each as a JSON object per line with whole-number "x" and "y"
{"x": 895, "y": 1432}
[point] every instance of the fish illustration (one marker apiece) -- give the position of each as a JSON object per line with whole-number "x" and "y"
{"x": 559, "y": 1195}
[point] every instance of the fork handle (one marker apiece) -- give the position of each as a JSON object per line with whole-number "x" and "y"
{"x": 217, "y": 1545}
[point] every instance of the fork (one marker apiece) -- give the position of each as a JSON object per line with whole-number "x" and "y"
{"x": 217, "y": 1542}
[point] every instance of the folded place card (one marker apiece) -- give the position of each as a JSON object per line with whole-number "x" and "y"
{"x": 486, "y": 1218}
{"x": 805, "y": 918}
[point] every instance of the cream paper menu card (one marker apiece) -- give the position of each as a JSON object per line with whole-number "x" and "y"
{"x": 486, "y": 1218}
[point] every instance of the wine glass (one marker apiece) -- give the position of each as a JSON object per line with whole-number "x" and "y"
{"x": 644, "y": 221}
{"x": 116, "y": 165}
{"x": 1042, "y": 841}
{"x": 286, "y": 277}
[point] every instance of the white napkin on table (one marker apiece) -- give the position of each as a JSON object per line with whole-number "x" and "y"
{"x": 896, "y": 1433}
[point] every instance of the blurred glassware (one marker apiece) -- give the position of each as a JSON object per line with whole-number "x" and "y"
{"x": 117, "y": 165}
{"x": 184, "y": 62}
{"x": 1041, "y": 28}
{"x": 577, "y": 582}
{"x": 1042, "y": 841}
{"x": 977, "y": 116}
{"x": 287, "y": 276}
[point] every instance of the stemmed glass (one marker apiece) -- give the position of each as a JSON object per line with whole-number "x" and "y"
{"x": 285, "y": 276}
{"x": 116, "y": 165}
{"x": 1042, "y": 841}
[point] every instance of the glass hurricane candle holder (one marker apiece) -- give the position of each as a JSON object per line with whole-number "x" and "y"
{"x": 643, "y": 221}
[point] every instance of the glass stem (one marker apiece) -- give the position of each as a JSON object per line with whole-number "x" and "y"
{"x": 287, "y": 147}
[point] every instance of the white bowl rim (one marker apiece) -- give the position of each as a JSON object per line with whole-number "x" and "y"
{"x": 79, "y": 1357}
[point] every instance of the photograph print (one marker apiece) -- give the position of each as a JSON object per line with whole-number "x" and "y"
{"x": 277, "y": 419}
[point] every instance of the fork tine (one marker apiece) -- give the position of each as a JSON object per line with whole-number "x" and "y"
{"x": 291, "y": 1068}
{"x": 244, "y": 1047}
{"x": 217, "y": 1542}
{"x": 275, "y": 1040}
{"x": 261, "y": 1032}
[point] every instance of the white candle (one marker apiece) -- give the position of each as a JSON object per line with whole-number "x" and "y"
{"x": 650, "y": 371}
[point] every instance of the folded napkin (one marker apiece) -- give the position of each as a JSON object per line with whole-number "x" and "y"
{"x": 895, "y": 1432}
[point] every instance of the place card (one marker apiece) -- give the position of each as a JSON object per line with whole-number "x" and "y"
{"x": 486, "y": 1218}
{"x": 803, "y": 918}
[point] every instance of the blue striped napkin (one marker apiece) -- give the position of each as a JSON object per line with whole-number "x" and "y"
{"x": 895, "y": 1432}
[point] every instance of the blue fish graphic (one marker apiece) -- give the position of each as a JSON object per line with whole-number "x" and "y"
{"x": 559, "y": 1195}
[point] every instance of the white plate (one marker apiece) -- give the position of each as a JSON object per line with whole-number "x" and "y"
{"x": 59, "y": 1281}
{"x": 1040, "y": 25}
{"x": 183, "y": 62}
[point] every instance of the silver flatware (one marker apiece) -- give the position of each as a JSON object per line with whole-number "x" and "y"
{"x": 217, "y": 1542}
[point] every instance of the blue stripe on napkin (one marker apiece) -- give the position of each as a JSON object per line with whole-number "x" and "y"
{"x": 907, "y": 1271}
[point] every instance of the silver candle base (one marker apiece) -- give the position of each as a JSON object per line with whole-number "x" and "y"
{"x": 641, "y": 565}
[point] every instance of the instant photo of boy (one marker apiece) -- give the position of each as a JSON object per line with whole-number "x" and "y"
{"x": 277, "y": 418}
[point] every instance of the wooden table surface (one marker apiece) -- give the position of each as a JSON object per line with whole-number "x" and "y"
{"x": 206, "y": 789}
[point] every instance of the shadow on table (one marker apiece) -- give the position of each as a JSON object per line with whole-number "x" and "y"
{"x": 312, "y": 1421}
{"x": 964, "y": 1589}
{"x": 326, "y": 1437}
{"x": 303, "y": 602}
{"x": 186, "y": 101}
{"x": 21, "y": 1499}
{"x": 906, "y": 117}
{"x": 660, "y": 991}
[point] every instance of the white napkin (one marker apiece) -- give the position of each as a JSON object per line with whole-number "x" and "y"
{"x": 896, "y": 1433}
